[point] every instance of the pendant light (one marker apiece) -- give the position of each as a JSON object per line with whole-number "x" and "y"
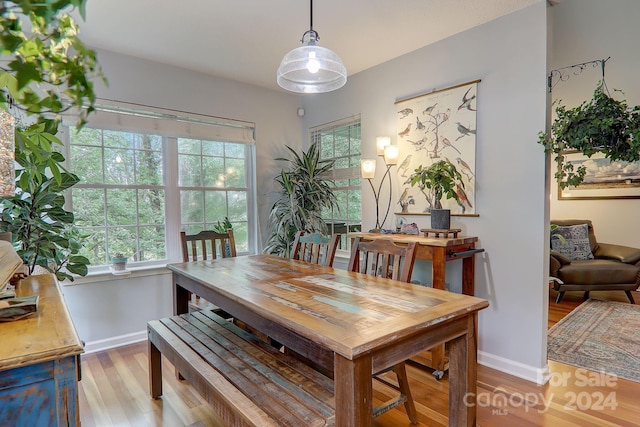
{"x": 311, "y": 68}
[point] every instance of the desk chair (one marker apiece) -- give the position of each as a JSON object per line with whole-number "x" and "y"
{"x": 383, "y": 258}
{"x": 315, "y": 248}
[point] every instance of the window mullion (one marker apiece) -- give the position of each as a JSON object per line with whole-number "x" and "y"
{"x": 172, "y": 197}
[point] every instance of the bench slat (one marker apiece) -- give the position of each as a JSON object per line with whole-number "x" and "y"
{"x": 225, "y": 357}
{"x": 298, "y": 375}
{"x": 267, "y": 388}
{"x": 231, "y": 405}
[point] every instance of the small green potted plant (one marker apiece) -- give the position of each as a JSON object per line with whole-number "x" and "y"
{"x": 440, "y": 179}
{"x": 223, "y": 227}
{"x": 119, "y": 262}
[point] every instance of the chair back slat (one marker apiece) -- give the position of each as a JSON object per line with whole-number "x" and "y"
{"x": 207, "y": 244}
{"x": 315, "y": 248}
{"x": 383, "y": 258}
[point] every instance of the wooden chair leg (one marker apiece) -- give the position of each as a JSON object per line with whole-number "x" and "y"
{"x": 403, "y": 383}
{"x": 630, "y": 296}
{"x": 586, "y": 294}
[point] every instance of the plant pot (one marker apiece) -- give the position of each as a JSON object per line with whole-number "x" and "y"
{"x": 119, "y": 264}
{"x": 441, "y": 219}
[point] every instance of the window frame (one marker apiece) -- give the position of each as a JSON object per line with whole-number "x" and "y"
{"x": 172, "y": 210}
{"x": 352, "y": 173}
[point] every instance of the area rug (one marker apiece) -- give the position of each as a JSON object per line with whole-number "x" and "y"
{"x": 601, "y": 336}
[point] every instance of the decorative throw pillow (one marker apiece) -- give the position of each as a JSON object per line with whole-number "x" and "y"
{"x": 575, "y": 244}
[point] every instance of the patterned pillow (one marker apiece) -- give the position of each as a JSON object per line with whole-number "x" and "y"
{"x": 576, "y": 241}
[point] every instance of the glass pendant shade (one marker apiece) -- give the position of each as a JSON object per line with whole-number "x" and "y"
{"x": 311, "y": 68}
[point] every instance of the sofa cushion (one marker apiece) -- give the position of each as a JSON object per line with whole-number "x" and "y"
{"x": 599, "y": 272}
{"x": 575, "y": 244}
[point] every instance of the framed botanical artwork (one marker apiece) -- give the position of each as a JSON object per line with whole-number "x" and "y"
{"x": 440, "y": 125}
{"x": 604, "y": 179}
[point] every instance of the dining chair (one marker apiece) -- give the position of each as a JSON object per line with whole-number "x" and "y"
{"x": 384, "y": 258}
{"x": 207, "y": 244}
{"x": 315, "y": 248}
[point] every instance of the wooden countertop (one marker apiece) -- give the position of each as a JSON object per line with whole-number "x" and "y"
{"x": 46, "y": 335}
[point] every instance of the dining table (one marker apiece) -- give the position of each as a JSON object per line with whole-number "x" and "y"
{"x": 353, "y": 323}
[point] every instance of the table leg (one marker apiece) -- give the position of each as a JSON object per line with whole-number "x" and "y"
{"x": 438, "y": 267}
{"x": 180, "y": 299}
{"x": 468, "y": 275}
{"x": 353, "y": 391}
{"x": 463, "y": 377}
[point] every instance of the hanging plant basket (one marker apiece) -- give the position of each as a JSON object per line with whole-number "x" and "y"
{"x": 599, "y": 125}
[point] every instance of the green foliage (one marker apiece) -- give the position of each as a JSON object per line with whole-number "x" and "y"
{"x": 45, "y": 71}
{"x": 42, "y": 229}
{"x": 47, "y": 68}
{"x": 304, "y": 192}
{"x": 222, "y": 226}
{"x": 599, "y": 125}
{"x": 440, "y": 178}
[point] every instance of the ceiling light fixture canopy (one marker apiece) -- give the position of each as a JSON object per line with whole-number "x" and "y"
{"x": 311, "y": 68}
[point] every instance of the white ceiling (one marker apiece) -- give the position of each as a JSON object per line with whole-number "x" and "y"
{"x": 245, "y": 40}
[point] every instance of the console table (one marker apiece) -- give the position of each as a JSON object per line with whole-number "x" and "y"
{"x": 438, "y": 250}
{"x": 39, "y": 366}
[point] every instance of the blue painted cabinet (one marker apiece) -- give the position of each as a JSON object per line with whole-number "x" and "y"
{"x": 39, "y": 361}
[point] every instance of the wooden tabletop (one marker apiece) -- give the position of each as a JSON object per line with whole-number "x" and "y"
{"x": 421, "y": 240}
{"x": 349, "y": 313}
{"x": 45, "y": 335}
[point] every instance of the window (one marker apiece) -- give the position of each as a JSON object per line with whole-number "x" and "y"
{"x": 139, "y": 189}
{"x": 120, "y": 200}
{"x": 213, "y": 185}
{"x": 340, "y": 141}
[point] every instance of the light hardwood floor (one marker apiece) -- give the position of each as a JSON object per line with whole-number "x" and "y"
{"x": 114, "y": 392}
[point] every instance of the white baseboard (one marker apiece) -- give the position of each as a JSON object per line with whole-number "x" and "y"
{"x": 107, "y": 343}
{"x": 539, "y": 376}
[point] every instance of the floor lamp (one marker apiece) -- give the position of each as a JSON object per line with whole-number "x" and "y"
{"x": 389, "y": 153}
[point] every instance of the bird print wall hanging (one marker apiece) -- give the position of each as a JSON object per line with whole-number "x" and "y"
{"x": 440, "y": 125}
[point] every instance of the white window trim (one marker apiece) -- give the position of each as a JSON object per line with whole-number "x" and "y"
{"x": 115, "y": 115}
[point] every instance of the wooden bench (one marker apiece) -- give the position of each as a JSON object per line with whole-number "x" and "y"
{"x": 248, "y": 382}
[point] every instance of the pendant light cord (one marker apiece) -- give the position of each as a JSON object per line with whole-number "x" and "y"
{"x": 313, "y": 35}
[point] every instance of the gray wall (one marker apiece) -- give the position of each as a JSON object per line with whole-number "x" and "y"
{"x": 586, "y": 30}
{"x": 508, "y": 54}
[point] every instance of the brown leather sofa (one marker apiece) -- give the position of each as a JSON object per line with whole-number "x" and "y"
{"x": 615, "y": 267}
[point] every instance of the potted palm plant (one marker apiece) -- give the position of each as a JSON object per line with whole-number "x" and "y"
{"x": 440, "y": 179}
{"x": 304, "y": 193}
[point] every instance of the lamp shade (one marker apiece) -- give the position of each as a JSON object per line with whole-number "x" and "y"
{"x": 391, "y": 155}
{"x": 381, "y": 143}
{"x": 311, "y": 69}
{"x": 7, "y": 153}
{"x": 368, "y": 168}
